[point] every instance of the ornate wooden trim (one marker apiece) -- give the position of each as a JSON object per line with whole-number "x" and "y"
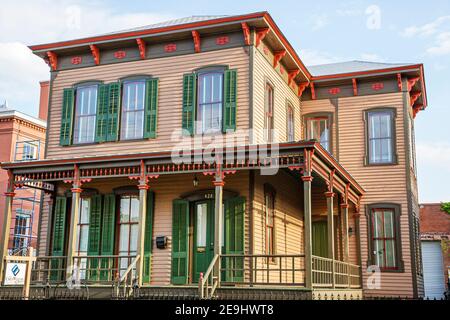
{"x": 52, "y": 60}
{"x": 313, "y": 91}
{"x": 142, "y": 47}
{"x": 277, "y": 56}
{"x": 196, "y": 37}
{"x": 412, "y": 82}
{"x": 399, "y": 82}
{"x": 355, "y": 87}
{"x": 246, "y": 31}
{"x": 301, "y": 88}
{"x": 414, "y": 96}
{"x": 260, "y": 35}
{"x": 95, "y": 53}
{"x": 292, "y": 74}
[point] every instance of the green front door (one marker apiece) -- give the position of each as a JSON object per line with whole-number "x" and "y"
{"x": 203, "y": 248}
{"x": 320, "y": 239}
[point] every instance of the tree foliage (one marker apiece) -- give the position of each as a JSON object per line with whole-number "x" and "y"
{"x": 445, "y": 206}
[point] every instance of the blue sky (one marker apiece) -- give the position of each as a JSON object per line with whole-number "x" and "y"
{"x": 321, "y": 32}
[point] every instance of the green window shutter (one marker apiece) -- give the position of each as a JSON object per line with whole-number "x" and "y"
{"x": 107, "y": 246}
{"x": 59, "y": 227}
{"x": 65, "y": 137}
{"x": 151, "y": 108}
{"x": 230, "y": 98}
{"x": 94, "y": 234}
{"x": 113, "y": 111}
{"x": 101, "y": 123}
{"x": 148, "y": 243}
{"x": 180, "y": 233}
{"x": 234, "y": 238}
{"x": 189, "y": 102}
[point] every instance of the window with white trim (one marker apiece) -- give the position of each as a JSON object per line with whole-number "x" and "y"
{"x": 85, "y": 114}
{"x": 210, "y": 102}
{"x": 380, "y": 134}
{"x": 290, "y": 123}
{"x": 133, "y": 104}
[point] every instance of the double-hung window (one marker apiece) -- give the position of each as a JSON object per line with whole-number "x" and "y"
{"x": 290, "y": 123}
{"x": 133, "y": 103}
{"x": 269, "y": 208}
{"x": 384, "y": 236}
{"x": 380, "y": 136}
{"x": 210, "y": 102}
{"x": 85, "y": 114}
{"x": 29, "y": 151}
{"x": 318, "y": 128}
{"x": 268, "y": 112}
{"x": 83, "y": 234}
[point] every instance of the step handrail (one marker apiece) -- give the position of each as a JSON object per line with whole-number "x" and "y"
{"x": 122, "y": 281}
{"x": 205, "y": 290}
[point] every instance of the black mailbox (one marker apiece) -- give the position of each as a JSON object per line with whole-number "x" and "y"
{"x": 161, "y": 242}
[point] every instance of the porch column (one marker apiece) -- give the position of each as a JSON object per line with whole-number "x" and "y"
{"x": 143, "y": 188}
{"x": 218, "y": 212}
{"x": 308, "y": 230}
{"x": 9, "y": 198}
{"x": 74, "y": 217}
{"x": 344, "y": 208}
{"x": 330, "y": 228}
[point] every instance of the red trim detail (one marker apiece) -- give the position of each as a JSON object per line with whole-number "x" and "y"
{"x": 344, "y": 206}
{"x": 313, "y": 91}
{"x": 266, "y": 50}
{"x": 329, "y": 194}
{"x": 196, "y": 37}
{"x": 143, "y": 187}
{"x": 399, "y": 82}
{"x": 246, "y": 31}
{"x": 76, "y": 60}
{"x": 120, "y": 54}
{"x": 334, "y": 91}
{"x": 76, "y": 190}
{"x": 292, "y": 74}
{"x": 414, "y": 96}
{"x": 301, "y": 88}
{"x": 142, "y": 47}
{"x": 220, "y": 41}
{"x": 261, "y": 33}
{"x": 277, "y": 56}
{"x": 307, "y": 178}
{"x": 355, "y": 87}
{"x": 52, "y": 60}
{"x": 412, "y": 82}
{"x": 9, "y": 194}
{"x": 95, "y": 53}
{"x": 378, "y": 86}
{"x": 171, "y": 47}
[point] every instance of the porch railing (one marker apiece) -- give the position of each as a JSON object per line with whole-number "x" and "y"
{"x": 329, "y": 273}
{"x": 208, "y": 282}
{"x": 48, "y": 269}
{"x": 261, "y": 269}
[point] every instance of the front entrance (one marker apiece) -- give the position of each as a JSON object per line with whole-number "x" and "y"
{"x": 203, "y": 237}
{"x": 192, "y": 254}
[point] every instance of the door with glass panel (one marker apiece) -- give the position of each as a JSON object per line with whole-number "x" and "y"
{"x": 128, "y": 230}
{"x": 83, "y": 236}
{"x": 203, "y": 237}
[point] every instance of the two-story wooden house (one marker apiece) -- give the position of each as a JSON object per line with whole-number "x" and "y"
{"x": 200, "y": 156}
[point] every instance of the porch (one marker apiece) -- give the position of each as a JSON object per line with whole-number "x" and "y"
{"x": 230, "y": 258}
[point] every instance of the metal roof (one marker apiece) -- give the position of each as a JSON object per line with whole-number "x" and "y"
{"x": 169, "y": 23}
{"x": 351, "y": 66}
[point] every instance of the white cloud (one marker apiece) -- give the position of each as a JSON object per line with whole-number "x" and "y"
{"x": 442, "y": 45}
{"x": 314, "y": 57}
{"x": 373, "y": 57}
{"x": 318, "y": 21}
{"x": 428, "y": 29}
{"x": 434, "y": 154}
{"x": 40, "y": 21}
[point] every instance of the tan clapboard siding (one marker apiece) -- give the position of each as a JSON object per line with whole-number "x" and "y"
{"x": 168, "y": 188}
{"x": 325, "y": 105}
{"x": 263, "y": 72}
{"x": 382, "y": 183}
{"x": 44, "y": 227}
{"x": 288, "y": 221}
{"x": 170, "y": 72}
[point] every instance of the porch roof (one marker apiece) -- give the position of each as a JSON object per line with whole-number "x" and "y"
{"x": 291, "y": 156}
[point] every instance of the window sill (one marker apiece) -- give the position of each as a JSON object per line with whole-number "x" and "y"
{"x": 386, "y": 164}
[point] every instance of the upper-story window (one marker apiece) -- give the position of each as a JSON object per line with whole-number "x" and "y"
{"x": 268, "y": 112}
{"x": 318, "y": 128}
{"x": 85, "y": 114}
{"x": 290, "y": 123}
{"x": 133, "y": 103}
{"x": 210, "y": 102}
{"x": 29, "y": 151}
{"x": 380, "y": 137}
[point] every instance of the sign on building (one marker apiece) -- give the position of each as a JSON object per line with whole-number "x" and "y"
{"x": 15, "y": 274}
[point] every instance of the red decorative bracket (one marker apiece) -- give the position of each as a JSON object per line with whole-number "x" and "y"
{"x": 196, "y": 37}
{"x": 412, "y": 82}
{"x": 292, "y": 74}
{"x": 246, "y": 31}
{"x": 414, "y": 96}
{"x": 52, "y": 60}
{"x": 260, "y": 35}
{"x": 313, "y": 91}
{"x": 301, "y": 88}
{"x": 278, "y": 55}
{"x": 399, "y": 81}
{"x": 142, "y": 47}
{"x": 355, "y": 87}
{"x": 95, "y": 53}
{"x": 416, "y": 109}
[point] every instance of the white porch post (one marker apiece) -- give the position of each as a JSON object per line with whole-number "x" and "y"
{"x": 75, "y": 211}
{"x": 308, "y": 229}
{"x": 218, "y": 213}
{"x": 143, "y": 188}
{"x": 344, "y": 207}
{"x": 330, "y": 228}
{"x": 9, "y": 198}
